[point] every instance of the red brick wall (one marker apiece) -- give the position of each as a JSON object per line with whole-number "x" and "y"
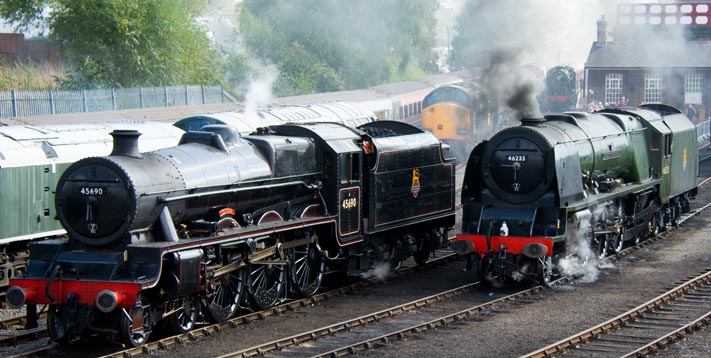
{"x": 633, "y": 87}
{"x": 15, "y": 47}
{"x": 12, "y": 44}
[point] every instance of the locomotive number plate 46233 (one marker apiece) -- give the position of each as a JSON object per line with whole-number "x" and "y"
{"x": 516, "y": 158}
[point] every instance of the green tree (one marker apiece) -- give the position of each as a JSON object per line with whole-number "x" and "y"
{"x": 124, "y": 42}
{"x": 327, "y": 45}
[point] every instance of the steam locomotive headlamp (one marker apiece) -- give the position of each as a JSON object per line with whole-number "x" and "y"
{"x": 107, "y": 300}
{"x": 504, "y": 230}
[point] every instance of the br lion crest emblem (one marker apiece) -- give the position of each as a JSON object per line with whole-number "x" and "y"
{"x": 415, "y": 188}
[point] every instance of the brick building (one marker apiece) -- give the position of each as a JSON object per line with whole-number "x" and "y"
{"x": 661, "y": 53}
{"x": 15, "y": 47}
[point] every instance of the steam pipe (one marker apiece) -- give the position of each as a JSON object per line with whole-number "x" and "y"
{"x": 56, "y": 272}
{"x": 488, "y": 235}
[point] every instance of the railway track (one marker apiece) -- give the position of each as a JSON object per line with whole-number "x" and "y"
{"x": 9, "y": 323}
{"x": 442, "y": 257}
{"x": 398, "y": 323}
{"x": 210, "y": 330}
{"x": 644, "y": 329}
{"x": 382, "y": 327}
{"x": 650, "y": 326}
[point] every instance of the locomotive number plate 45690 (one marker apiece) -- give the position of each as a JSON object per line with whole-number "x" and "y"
{"x": 92, "y": 191}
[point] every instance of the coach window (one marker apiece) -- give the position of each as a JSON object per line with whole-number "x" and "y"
{"x": 350, "y": 168}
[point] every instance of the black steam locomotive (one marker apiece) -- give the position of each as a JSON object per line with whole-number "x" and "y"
{"x": 222, "y": 221}
{"x": 574, "y": 184}
{"x": 561, "y": 92}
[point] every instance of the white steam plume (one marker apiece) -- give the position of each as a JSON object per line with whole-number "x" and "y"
{"x": 580, "y": 260}
{"x": 381, "y": 272}
{"x": 259, "y": 91}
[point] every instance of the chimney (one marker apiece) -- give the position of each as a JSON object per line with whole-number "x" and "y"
{"x": 126, "y": 143}
{"x": 533, "y": 121}
{"x": 602, "y": 30}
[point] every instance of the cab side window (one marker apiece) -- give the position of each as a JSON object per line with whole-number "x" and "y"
{"x": 350, "y": 167}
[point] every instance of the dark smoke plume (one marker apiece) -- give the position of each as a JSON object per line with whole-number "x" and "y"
{"x": 491, "y": 39}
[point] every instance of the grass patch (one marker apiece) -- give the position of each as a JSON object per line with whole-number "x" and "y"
{"x": 28, "y": 75}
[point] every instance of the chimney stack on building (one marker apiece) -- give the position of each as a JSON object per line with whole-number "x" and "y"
{"x": 602, "y": 30}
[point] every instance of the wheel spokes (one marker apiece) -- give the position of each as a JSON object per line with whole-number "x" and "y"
{"x": 131, "y": 337}
{"x": 226, "y": 298}
{"x": 545, "y": 273}
{"x": 307, "y": 270}
{"x": 183, "y": 320}
{"x": 266, "y": 283}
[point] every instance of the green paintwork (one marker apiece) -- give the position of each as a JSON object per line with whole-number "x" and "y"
{"x": 29, "y": 213}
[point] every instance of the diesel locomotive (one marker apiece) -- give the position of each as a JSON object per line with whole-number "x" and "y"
{"x": 460, "y": 115}
{"x": 534, "y": 192}
{"x": 223, "y": 221}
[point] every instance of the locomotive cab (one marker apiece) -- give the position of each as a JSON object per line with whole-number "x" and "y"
{"x": 342, "y": 172}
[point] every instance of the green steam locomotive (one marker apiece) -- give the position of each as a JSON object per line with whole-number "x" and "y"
{"x": 574, "y": 184}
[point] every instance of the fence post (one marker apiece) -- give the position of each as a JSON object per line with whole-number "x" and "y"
{"x": 202, "y": 89}
{"x": 51, "y": 102}
{"x": 140, "y": 97}
{"x": 222, "y": 94}
{"x": 14, "y": 104}
{"x": 186, "y": 95}
{"x": 83, "y": 95}
{"x": 113, "y": 99}
{"x": 165, "y": 95}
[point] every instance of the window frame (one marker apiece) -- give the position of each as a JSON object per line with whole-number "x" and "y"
{"x": 652, "y": 87}
{"x": 613, "y": 87}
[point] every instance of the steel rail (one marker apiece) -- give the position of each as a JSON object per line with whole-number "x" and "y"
{"x": 340, "y": 327}
{"x": 577, "y": 340}
{"x": 614, "y": 323}
{"x": 671, "y": 337}
{"x": 152, "y": 347}
{"x": 386, "y": 338}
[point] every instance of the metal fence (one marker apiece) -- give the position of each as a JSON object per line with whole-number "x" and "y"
{"x": 36, "y": 103}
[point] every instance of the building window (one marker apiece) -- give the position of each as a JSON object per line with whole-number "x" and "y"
{"x": 613, "y": 87}
{"x": 652, "y": 88}
{"x": 692, "y": 88}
